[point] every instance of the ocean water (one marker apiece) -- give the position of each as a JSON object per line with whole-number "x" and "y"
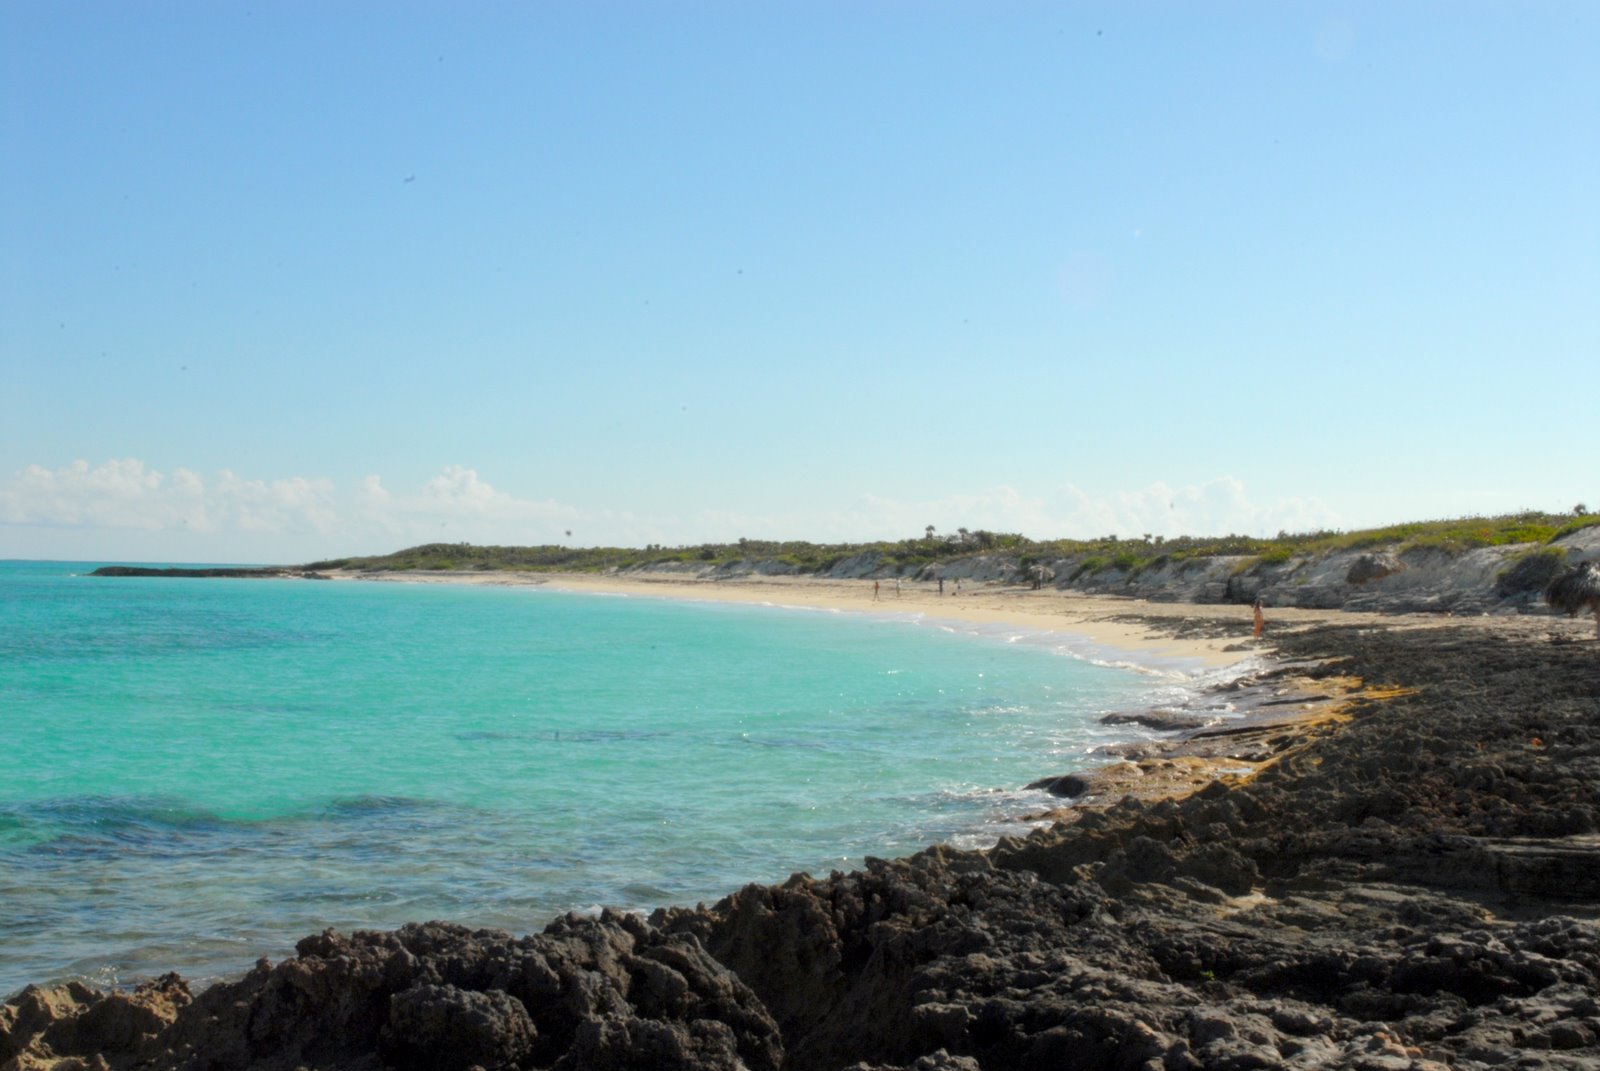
{"x": 198, "y": 772}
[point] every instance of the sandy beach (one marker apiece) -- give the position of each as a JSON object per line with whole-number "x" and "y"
{"x": 1144, "y": 630}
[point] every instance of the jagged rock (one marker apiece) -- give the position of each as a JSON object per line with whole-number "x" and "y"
{"x": 1374, "y": 565}
{"x": 606, "y": 992}
{"x": 1069, "y": 786}
{"x": 934, "y": 1061}
{"x": 627, "y": 1043}
{"x": 73, "y": 1020}
{"x": 440, "y": 1026}
{"x": 1166, "y": 721}
{"x": 1530, "y": 574}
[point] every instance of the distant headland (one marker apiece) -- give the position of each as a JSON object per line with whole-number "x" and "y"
{"x": 1496, "y": 564}
{"x": 266, "y": 572}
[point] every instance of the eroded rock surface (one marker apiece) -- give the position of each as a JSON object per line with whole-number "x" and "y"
{"x": 610, "y": 992}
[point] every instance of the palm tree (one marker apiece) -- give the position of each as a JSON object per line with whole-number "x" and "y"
{"x": 1577, "y": 588}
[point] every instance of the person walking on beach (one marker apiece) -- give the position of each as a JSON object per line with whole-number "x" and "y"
{"x": 874, "y": 591}
{"x": 941, "y": 585}
{"x": 1261, "y": 618}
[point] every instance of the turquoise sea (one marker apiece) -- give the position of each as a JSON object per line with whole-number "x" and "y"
{"x": 199, "y": 772}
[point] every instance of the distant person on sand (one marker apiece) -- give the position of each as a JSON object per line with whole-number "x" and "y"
{"x": 897, "y": 587}
{"x": 941, "y": 585}
{"x": 874, "y": 591}
{"x": 1261, "y": 618}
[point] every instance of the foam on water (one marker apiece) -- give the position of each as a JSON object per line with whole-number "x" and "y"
{"x": 198, "y": 772}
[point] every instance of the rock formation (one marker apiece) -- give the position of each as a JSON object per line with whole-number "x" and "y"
{"x": 1577, "y": 588}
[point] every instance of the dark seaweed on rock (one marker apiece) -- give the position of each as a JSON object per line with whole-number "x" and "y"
{"x": 1416, "y": 890}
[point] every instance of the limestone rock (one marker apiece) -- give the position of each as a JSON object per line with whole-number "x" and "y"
{"x": 1374, "y": 565}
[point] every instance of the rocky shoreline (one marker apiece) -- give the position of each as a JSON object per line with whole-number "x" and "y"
{"x": 1412, "y": 882}
{"x": 1383, "y": 578}
{"x": 1388, "y": 578}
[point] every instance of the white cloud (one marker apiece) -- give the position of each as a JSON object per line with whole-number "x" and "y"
{"x": 123, "y": 495}
{"x": 117, "y": 494}
{"x": 1219, "y": 507}
{"x": 123, "y": 508}
{"x": 459, "y": 504}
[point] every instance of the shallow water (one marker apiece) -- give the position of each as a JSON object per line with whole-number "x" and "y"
{"x": 198, "y": 772}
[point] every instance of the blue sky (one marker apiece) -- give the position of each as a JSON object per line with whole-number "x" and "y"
{"x": 280, "y": 281}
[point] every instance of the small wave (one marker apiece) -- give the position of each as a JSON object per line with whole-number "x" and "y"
{"x": 1122, "y": 663}
{"x": 568, "y": 736}
{"x": 371, "y": 805}
{"x": 107, "y": 813}
{"x": 769, "y": 605}
{"x": 782, "y": 742}
{"x": 108, "y": 827}
{"x": 1065, "y": 643}
{"x": 604, "y": 736}
{"x": 999, "y": 709}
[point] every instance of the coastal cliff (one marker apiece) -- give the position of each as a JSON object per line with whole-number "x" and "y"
{"x": 1382, "y": 578}
{"x": 1497, "y": 565}
{"x": 1414, "y": 890}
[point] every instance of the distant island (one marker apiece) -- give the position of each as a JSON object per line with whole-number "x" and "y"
{"x": 270, "y": 571}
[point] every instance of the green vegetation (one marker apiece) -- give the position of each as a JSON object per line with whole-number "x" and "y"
{"x": 801, "y": 556}
{"x": 1087, "y": 556}
{"x": 1091, "y": 565}
{"x": 1583, "y": 520}
{"x": 1129, "y": 561}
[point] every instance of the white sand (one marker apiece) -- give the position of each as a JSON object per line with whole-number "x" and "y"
{"x": 1089, "y": 619}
